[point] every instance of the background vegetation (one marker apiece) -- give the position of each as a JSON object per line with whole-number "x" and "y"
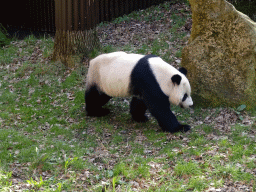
{"x": 245, "y": 6}
{"x": 4, "y": 40}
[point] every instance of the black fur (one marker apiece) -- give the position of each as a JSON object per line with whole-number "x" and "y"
{"x": 183, "y": 70}
{"x": 144, "y": 84}
{"x": 94, "y": 100}
{"x": 138, "y": 109}
{"x": 176, "y": 79}
{"x": 148, "y": 95}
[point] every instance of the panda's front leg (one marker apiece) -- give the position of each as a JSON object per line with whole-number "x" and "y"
{"x": 171, "y": 129}
{"x": 160, "y": 109}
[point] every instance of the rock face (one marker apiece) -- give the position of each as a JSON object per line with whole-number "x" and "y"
{"x": 221, "y": 55}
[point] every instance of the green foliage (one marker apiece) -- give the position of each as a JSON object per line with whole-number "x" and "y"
{"x": 143, "y": 50}
{"x": 132, "y": 170}
{"x": 232, "y": 171}
{"x": 246, "y": 7}
{"x": 68, "y": 162}
{"x": 241, "y": 108}
{"x": 45, "y": 133}
{"x": 121, "y": 19}
{"x": 178, "y": 53}
{"x": 94, "y": 53}
{"x": 30, "y": 40}
{"x": 180, "y": 1}
{"x": 198, "y": 183}
{"x": 4, "y": 40}
{"x": 5, "y": 182}
{"x": 36, "y": 184}
{"x": 70, "y": 81}
{"x": 8, "y": 97}
{"x": 207, "y": 129}
{"x": 108, "y": 49}
{"x": 187, "y": 168}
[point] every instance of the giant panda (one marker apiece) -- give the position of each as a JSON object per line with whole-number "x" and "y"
{"x": 152, "y": 83}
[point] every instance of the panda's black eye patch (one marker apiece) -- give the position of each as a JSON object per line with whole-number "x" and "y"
{"x": 185, "y": 97}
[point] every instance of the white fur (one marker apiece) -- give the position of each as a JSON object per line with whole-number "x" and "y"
{"x": 163, "y": 72}
{"x": 187, "y": 103}
{"x": 111, "y": 73}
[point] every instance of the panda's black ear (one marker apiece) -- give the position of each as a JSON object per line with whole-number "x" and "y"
{"x": 176, "y": 79}
{"x": 183, "y": 70}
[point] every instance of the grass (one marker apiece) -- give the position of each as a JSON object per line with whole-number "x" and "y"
{"x": 4, "y": 40}
{"x": 48, "y": 144}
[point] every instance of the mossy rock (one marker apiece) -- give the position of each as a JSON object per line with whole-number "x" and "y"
{"x": 221, "y": 55}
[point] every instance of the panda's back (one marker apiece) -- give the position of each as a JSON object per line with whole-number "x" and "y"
{"x": 114, "y": 72}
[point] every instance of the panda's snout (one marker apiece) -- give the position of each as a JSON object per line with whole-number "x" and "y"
{"x": 189, "y": 106}
{"x": 188, "y": 103}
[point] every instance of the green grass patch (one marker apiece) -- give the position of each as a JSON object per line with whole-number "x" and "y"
{"x": 132, "y": 170}
{"x": 5, "y": 182}
{"x": 187, "y": 168}
{"x": 48, "y": 142}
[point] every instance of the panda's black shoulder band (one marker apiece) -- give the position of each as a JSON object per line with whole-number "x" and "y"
{"x": 149, "y": 56}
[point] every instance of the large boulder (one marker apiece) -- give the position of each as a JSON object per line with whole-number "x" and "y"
{"x": 221, "y": 55}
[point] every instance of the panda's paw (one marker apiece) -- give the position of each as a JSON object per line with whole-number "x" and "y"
{"x": 98, "y": 113}
{"x": 141, "y": 119}
{"x": 184, "y": 128}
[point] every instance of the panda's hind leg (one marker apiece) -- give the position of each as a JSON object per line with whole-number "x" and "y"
{"x": 94, "y": 101}
{"x": 138, "y": 109}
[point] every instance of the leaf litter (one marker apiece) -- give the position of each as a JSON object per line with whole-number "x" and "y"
{"x": 134, "y": 32}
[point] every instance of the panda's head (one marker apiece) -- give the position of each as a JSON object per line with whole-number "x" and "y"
{"x": 181, "y": 93}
